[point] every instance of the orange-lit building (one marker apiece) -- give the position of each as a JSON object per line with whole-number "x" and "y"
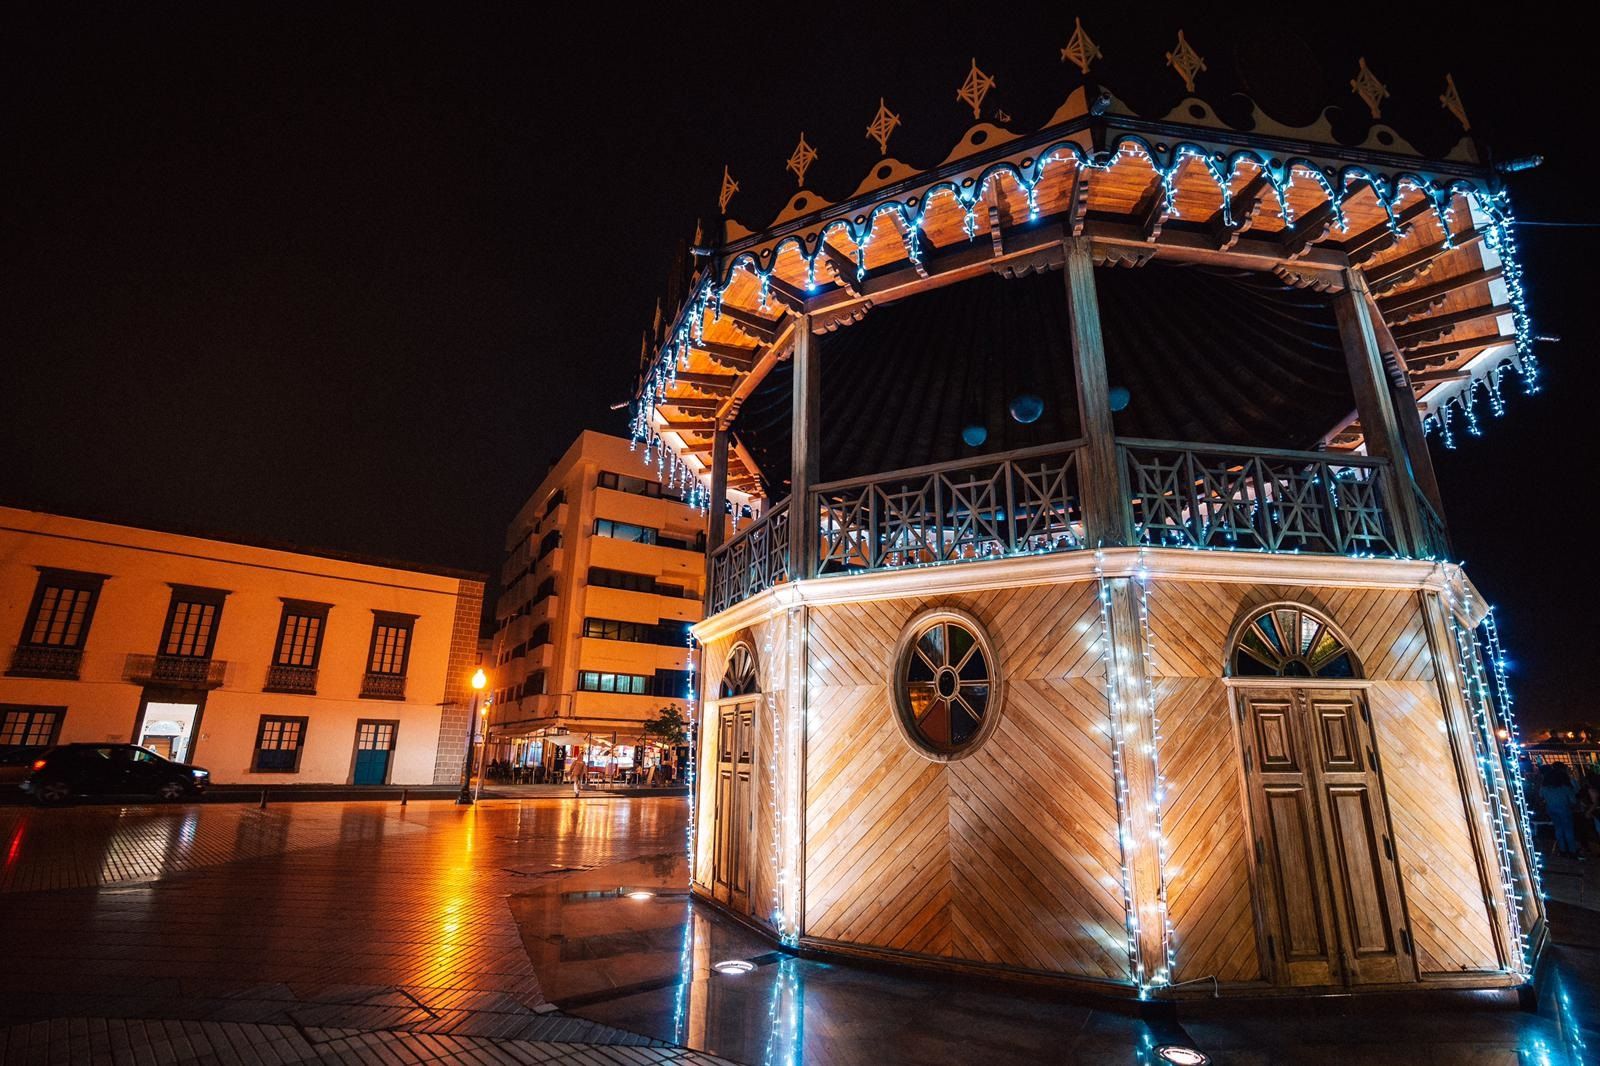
{"x": 262, "y": 664}
{"x": 604, "y": 573}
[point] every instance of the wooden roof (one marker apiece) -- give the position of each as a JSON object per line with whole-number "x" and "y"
{"x": 1432, "y": 238}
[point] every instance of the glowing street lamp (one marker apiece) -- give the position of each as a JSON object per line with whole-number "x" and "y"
{"x": 464, "y": 797}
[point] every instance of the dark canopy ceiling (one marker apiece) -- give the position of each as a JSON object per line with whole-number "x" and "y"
{"x": 1207, "y": 355}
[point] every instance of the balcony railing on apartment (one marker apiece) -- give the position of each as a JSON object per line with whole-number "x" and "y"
{"x": 29, "y": 660}
{"x": 301, "y": 680}
{"x": 175, "y": 670}
{"x": 383, "y": 687}
{"x": 1029, "y": 502}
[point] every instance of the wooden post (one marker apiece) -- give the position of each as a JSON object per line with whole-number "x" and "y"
{"x": 1404, "y": 400}
{"x": 1141, "y": 850}
{"x": 717, "y": 506}
{"x": 805, "y": 453}
{"x": 1375, "y": 405}
{"x": 1105, "y": 517}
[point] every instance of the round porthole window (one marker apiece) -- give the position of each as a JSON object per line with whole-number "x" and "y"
{"x": 946, "y": 683}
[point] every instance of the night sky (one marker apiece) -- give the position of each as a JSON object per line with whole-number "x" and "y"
{"x": 352, "y": 278}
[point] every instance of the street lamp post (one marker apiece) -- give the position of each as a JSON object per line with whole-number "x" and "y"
{"x": 483, "y": 753}
{"x": 464, "y": 797}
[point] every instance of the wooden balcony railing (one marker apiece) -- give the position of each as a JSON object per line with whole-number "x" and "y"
{"x": 30, "y": 660}
{"x": 755, "y": 559}
{"x": 297, "y": 679}
{"x": 1018, "y": 503}
{"x": 177, "y": 670}
{"x": 1029, "y": 502}
{"x": 1258, "y": 499}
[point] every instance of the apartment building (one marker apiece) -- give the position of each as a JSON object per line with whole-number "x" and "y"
{"x": 262, "y": 664}
{"x": 604, "y": 574}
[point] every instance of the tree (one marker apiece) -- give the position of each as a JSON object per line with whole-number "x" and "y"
{"x": 669, "y": 727}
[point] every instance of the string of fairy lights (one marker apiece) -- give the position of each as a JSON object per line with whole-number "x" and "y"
{"x": 1492, "y": 206}
{"x": 1121, "y": 726}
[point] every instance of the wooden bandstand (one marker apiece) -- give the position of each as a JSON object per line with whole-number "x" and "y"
{"x": 1090, "y": 617}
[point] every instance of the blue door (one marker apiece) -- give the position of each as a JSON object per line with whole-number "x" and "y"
{"x": 374, "y": 742}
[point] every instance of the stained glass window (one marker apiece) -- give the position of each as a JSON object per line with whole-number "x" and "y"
{"x": 1290, "y": 641}
{"x": 946, "y": 683}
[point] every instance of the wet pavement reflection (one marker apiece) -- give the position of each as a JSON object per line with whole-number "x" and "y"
{"x": 523, "y": 919}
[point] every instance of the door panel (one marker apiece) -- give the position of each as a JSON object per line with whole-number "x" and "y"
{"x": 735, "y": 808}
{"x": 1328, "y": 890}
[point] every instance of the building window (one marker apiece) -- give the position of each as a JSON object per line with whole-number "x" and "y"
{"x": 674, "y": 684}
{"x": 57, "y": 624}
{"x": 388, "y": 656}
{"x": 605, "y": 527}
{"x": 946, "y": 683}
{"x": 192, "y": 622}
{"x": 278, "y": 745}
{"x": 1287, "y": 640}
{"x": 626, "y": 684}
{"x": 29, "y": 728}
{"x": 299, "y": 647}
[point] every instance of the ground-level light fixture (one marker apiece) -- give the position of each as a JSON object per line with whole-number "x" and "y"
{"x": 641, "y": 894}
{"x": 733, "y": 967}
{"x": 1182, "y": 1056}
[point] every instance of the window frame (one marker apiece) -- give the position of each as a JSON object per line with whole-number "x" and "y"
{"x": 304, "y": 728}
{"x": 905, "y": 716}
{"x": 193, "y": 595}
{"x": 55, "y": 578}
{"x": 32, "y": 710}
{"x": 309, "y": 609}
{"x": 391, "y": 620}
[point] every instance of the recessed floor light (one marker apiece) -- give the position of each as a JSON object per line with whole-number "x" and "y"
{"x": 641, "y": 894}
{"x": 1182, "y": 1056}
{"x": 733, "y": 966}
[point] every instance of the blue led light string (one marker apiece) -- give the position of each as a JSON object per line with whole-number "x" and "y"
{"x": 1498, "y": 667}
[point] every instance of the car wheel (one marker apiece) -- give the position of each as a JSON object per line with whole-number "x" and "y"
{"x": 172, "y": 791}
{"x": 54, "y": 793}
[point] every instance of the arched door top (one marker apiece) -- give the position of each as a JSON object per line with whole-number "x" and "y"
{"x": 739, "y": 679}
{"x": 1290, "y": 640}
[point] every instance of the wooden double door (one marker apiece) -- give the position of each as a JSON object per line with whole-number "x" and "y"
{"x": 1327, "y": 884}
{"x": 734, "y": 817}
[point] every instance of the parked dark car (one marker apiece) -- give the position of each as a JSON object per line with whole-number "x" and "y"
{"x": 71, "y": 770}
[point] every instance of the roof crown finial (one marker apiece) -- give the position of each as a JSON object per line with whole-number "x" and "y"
{"x": 800, "y": 160}
{"x": 1186, "y": 61}
{"x": 729, "y": 187}
{"x": 1081, "y": 49}
{"x": 883, "y": 124}
{"x": 975, "y": 88}
{"x": 1451, "y": 102}
{"x": 1367, "y": 86}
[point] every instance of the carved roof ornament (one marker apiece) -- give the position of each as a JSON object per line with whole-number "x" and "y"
{"x": 974, "y": 89}
{"x": 1081, "y": 49}
{"x": 1367, "y": 86}
{"x": 1186, "y": 61}
{"x": 800, "y": 160}
{"x": 883, "y": 124}
{"x": 1451, "y": 102}
{"x": 729, "y": 187}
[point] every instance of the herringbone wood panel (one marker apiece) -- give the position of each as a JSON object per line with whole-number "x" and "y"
{"x": 1444, "y": 893}
{"x": 1010, "y": 856}
{"x": 1208, "y": 840}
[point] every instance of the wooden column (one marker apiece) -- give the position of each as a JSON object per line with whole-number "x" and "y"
{"x": 1141, "y": 849}
{"x": 717, "y": 507}
{"x": 1404, "y": 399}
{"x": 1375, "y": 404}
{"x": 1105, "y": 516}
{"x": 805, "y": 451}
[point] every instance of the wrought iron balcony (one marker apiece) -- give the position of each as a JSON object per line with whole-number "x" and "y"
{"x": 1029, "y": 502}
{"x": 175, "y": 670}
{"x": 296, "y": 679}
{"x": 383, "y": 687}
{"x": 30, "y": 660}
